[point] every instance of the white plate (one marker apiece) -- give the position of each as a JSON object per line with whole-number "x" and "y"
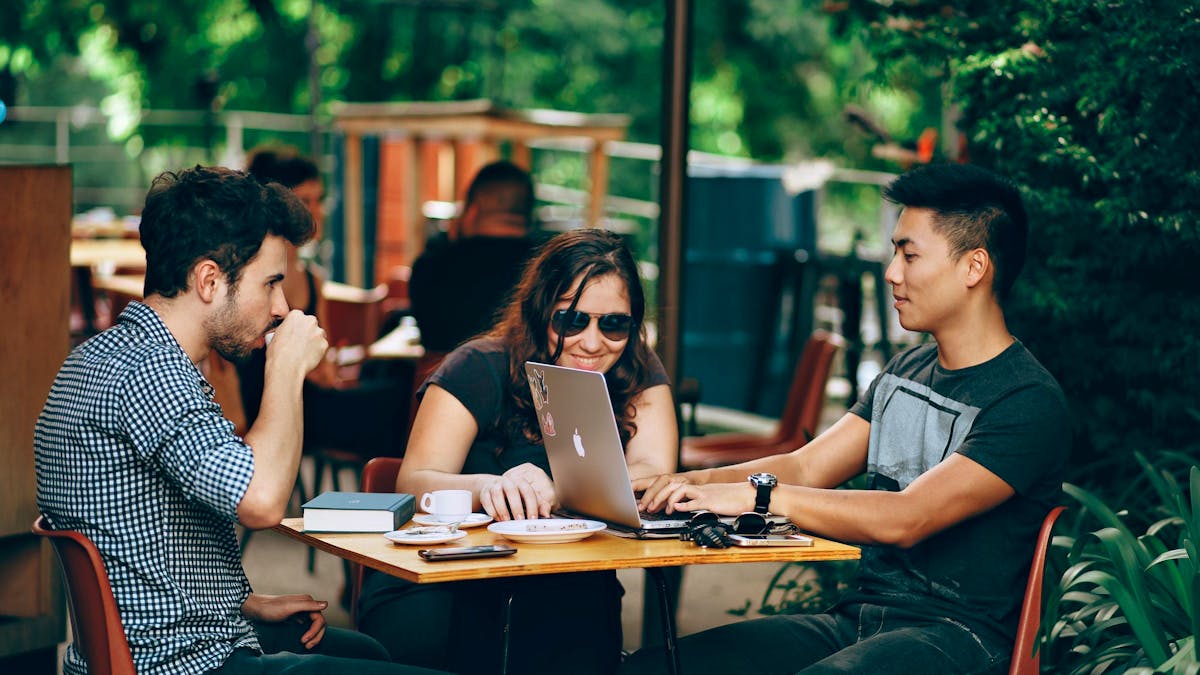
{"x": 473, "y": 520}
{"x": 547, "y": 530}
{"x": 403, "y": 537}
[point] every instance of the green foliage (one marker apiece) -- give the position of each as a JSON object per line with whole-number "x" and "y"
{"x": 804, "y": 588}
{"x": 1126, "y": 602}
{"x": 769, "y": 81}
{"x": 1090, "y": 105}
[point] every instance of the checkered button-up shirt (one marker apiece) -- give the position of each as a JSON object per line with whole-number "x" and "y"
{"x": 132, "y": 451}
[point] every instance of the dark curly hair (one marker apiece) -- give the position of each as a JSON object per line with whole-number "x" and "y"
{"x": 217, "y": 214}
{"x": 562, "y": 268}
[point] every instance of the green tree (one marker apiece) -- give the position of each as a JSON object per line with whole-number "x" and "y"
{"x": 1090, "y": 105}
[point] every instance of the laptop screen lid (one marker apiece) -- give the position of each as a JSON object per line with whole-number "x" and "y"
{"x": 584, "y": 447}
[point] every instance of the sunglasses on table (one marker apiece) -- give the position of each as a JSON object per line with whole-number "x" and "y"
{"x": 747, "y": 523}
{"x": 705, "y": 528}
{"x": 571, "y": 322}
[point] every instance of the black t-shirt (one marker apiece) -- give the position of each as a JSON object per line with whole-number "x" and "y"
{"x": 477, "y": 375}
{"x": 1008, "y": 415}
{"x": 457, "y": 288}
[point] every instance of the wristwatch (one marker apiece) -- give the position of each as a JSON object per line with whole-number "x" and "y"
{"x": 764, "y": 483}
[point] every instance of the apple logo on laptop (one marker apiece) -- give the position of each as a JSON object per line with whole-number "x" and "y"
{"x": 578, "y": 440}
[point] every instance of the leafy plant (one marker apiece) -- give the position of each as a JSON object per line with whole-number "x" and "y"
{"x": 803, "y": 588}
{"x": 1128, "y": 602}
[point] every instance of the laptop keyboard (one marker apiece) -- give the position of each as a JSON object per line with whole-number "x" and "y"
{"x": 661, "y": 516}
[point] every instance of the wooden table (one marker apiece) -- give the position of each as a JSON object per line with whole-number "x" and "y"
{"x": 129, "y": 285}
{"x": 403, "y": 343}
{"x": 602, "y": 551}
{"x": 117, "y": 252}
{"x": 87, "y": 254}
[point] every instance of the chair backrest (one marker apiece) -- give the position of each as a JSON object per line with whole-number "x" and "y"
{"x": 425, "y": 366}
{"x": 351, "y": 315}
{"x": 806, "y": 395}
{"x": 397, "y": 284}
{"x": 379, "y": 475}
{"x": 95, "y": 620}
{"x": 1025, "y": 660}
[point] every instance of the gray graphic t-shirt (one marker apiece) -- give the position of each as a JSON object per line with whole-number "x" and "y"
{"x": 1008, "y": 415}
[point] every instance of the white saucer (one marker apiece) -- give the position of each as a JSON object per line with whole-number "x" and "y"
{"x": 473, "y": 520}
{"x": 546, "y": 530}
{"x": 403, "y": 537}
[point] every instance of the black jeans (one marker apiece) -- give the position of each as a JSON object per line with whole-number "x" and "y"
{"x": 339, "y": 651}
{"x": 561, "y": 623}
{"x": 852, "y": 638}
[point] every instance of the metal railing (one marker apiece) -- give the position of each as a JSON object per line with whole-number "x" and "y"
{"x": 79, "y": 135}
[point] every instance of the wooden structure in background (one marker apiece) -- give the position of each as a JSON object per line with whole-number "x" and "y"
{"x": 430, "y": 151}
{"x": 36, "y": 296}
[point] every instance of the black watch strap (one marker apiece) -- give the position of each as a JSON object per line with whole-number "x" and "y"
{"x": 762, "y": 500}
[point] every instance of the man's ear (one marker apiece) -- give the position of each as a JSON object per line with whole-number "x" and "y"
{"x": 979, "y": 266}
{"x": 208, "y": 279}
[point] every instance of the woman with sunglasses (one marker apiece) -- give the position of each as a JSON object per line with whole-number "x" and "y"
{"x": 579, "y": 304}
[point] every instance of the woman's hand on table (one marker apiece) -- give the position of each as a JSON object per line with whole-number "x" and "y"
{"x": 280, "y": 608}
{"x": 523, "y": 491}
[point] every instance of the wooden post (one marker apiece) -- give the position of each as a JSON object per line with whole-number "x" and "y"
{"x": 599, "y": 172}
{"x": 352, "y": 232}
{"x": 521, "y": 156}
{"x": 35, "y": 292}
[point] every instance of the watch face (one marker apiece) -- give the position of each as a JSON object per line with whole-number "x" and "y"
{"x": 764, "y": 479}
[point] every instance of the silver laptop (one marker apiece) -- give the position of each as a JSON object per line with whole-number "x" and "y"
{"x": 583, "y": 444}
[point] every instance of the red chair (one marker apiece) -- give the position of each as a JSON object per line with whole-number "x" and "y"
{"x": 379, "y": 475}
{"x": 797, "y": 424}
{"x": 1025, "y": 657}
{"x": 351, "y": 317}
{"x": 397, "y": 294}
{"x": 425, "y": 366}
{"x": 95, "y": 621}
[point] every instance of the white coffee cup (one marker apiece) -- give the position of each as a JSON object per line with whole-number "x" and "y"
{"x": 447, "y": 505}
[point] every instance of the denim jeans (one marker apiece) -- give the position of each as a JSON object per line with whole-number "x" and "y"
{"x": 851, "y": 638}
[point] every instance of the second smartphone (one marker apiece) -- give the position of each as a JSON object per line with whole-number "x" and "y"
{"x": 459, "y": 553}
{"x": 770, "y": 540}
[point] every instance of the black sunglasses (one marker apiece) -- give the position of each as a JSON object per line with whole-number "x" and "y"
{"x": 747, "y": 523}
{"x": 569, "y": 322}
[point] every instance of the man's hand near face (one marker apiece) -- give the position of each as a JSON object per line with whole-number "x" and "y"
{"x": 299, "y": 343}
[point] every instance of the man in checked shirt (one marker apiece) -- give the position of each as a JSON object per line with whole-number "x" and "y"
{"x": 132, "y": 451}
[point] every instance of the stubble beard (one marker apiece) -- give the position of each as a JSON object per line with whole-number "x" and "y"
{"x": 223, "y": 333}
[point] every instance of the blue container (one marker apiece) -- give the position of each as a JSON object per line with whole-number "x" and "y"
{"x": 742, "y": 230}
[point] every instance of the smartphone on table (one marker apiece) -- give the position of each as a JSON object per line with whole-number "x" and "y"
{"x": 770, "y": 540}
{"x": 464, "y": 552}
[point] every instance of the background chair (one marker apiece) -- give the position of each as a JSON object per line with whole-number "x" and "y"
{"x": 797, "y": 424}
{"x": 95, "y": 621}
{"x": 379, "y": 475}
{"x": 425, "y": 366}
{"x": 351, "y": 318}
{"x": 346, "y": 425}
{"x": 1025, "y": 660}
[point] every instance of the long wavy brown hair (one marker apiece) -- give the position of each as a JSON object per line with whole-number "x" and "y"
{"x": 562, "y": 269}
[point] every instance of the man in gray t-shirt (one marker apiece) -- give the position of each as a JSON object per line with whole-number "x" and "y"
{"x": 961, "y": 441}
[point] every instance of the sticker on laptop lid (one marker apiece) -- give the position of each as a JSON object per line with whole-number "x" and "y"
{"x": 548, "y": 424}
{"x": 538, "y": 389}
